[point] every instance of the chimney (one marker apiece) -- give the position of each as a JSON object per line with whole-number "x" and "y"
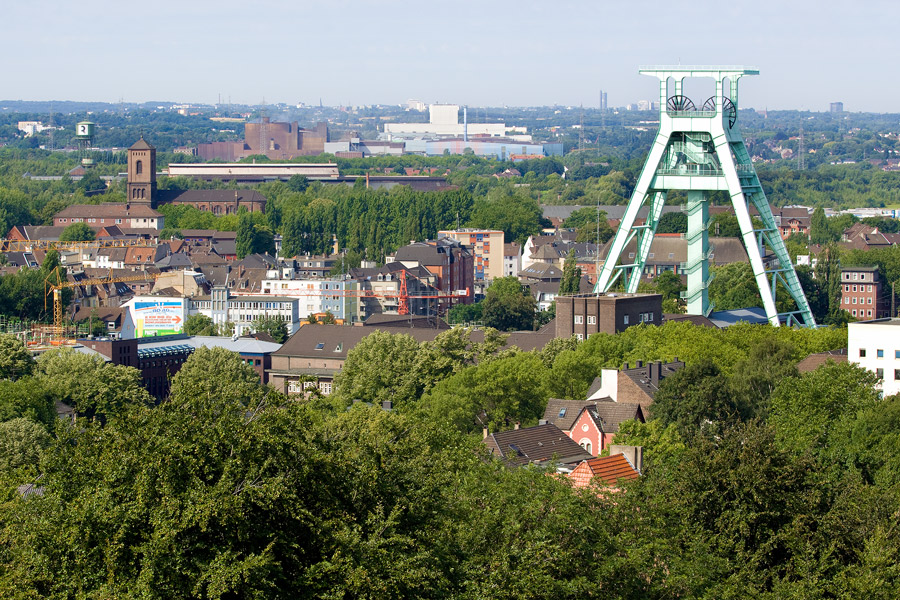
{"x": 485, "y": 432}
{"x": 655, "y": 369}
{"x": 639, "y": 364}
{"x": 387, "y": 405}
{"x": 516, "y": 426}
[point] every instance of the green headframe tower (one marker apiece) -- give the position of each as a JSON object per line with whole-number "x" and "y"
{"x": 700, "y": 150}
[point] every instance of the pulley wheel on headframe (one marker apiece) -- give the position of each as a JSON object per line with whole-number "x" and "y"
{"x": 680, "y": 103}
{"x": 728, "y": 109}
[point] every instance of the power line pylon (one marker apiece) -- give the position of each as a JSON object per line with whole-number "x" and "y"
{"x": 701, "y": 151}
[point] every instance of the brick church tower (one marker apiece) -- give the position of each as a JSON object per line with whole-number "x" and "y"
{"x": 142, "y": 173}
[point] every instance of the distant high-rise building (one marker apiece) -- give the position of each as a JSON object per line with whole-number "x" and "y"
{"x": 603, "y": 105}
{"x": 836, "y": 107}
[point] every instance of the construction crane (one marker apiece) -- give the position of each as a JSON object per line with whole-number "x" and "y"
{"x": 56, "y": 287}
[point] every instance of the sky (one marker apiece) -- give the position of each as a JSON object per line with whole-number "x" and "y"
{"x": 476, "y": 53}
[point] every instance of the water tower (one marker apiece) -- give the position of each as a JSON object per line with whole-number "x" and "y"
{"x": 84, "y": 138}
{"x": 701, "y": 150}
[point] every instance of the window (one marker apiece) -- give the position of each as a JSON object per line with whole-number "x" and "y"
{"x": 896, "y": 374}
{"x": 579, "y": 336}
{"x": 325, "y": 387}
{"x": 879, "y": 353}
{"x": 896, "y": 353}
{"x": 671, "y": 255}
{"x": 879, "y": 373}
{"x": 586, "y": 444}
{"x": 592, "y": 320}
{"x": 320, "y": 345}
{"x": 854, "y": 311}
{"x": 862, "y": 352}
{"x": 562, "y": 412}
{"x": 869, "y": 301}
{"x": 625, "y": 320}
{"x": 854, "y": 301}
{"x": 854, "y": 288}
{"x": 870, "y": 313}
{"x": 579, "y": 319}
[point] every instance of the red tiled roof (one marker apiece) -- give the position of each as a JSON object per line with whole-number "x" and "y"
{"x": 608, "y": 469}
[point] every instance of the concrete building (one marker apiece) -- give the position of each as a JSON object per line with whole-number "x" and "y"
{"x": 875, "y": 346}
{"x": 862, "y": 293}
{"x": 253, "y": 172}
{"x": 443, "y": 121}
{"x": 487, "y": 246}
{"x": 584, "y": 314}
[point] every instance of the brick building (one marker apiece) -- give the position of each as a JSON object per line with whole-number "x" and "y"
{"x": 142, "y": 189}
{"x": 584, "y": 314}
{"x": 862, "y": 293}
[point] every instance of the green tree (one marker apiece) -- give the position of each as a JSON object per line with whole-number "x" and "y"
{"x": 199, "y": 324}
{"x": 495, "y": 394}
{"x": 235, "y": 381}
{"x": 244, "y": 237}
{"x": 507, "y": 306}
{"x": 571, "y": 279}
{"x": 93, "y": 387}
{"x": 15, "y": 359}
{"x": 809, "y": 412}
{"x": 21, "y": 443}
{"x": 695, "y": 398}
{"x": 273, "y": 326}
{"x": 672, "y": 222}
{"x": 77, "y": 232}
{"x": 29, "y": 398}
{"x": 819, "y": 231}
{"x": 380, "y": 367}
{"x": 465, "y": 313}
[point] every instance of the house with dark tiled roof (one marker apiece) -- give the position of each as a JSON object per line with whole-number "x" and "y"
{"x": 541, "y": 445}
{"x": 592, "y": 424}
{"x": 634, "y": 385}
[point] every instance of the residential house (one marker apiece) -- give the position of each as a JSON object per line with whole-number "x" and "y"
{"x": 541, "y": 445}
{"x": 634, "y": 385}
{"x": 604, "y": 471}
{"x": 591, "y": 424}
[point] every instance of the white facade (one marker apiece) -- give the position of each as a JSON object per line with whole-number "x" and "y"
{"x": 444, "y": 122}
{"x": 222, "y": 307}
{"x": 316, "y": 295}
{"x": 875, "y": 346}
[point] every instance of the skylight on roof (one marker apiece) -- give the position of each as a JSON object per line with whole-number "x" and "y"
{"x": 562, "y": 412}
{"x": 320, "y": 345}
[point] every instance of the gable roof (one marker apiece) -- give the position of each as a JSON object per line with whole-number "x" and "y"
{"x": 608, "y": 469}
{"x": 141, "y": 144}
{"x": 609, "y": 415}
{"x": 563, "y": 413}
{"x": 535, "y": 445}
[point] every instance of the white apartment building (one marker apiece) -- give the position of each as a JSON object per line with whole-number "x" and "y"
{"x": 875, "y": 346}
{"x": 337, "y": 296}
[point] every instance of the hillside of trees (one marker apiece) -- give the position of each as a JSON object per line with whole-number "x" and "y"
{"x": 757, "y": 480}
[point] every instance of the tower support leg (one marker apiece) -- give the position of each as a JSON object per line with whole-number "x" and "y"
{"x": 697, "y": 265}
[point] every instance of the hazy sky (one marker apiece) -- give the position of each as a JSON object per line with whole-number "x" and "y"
{"x": 479, "y": 53}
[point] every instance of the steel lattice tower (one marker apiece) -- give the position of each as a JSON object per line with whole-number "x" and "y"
{"x": 701, "y": 151}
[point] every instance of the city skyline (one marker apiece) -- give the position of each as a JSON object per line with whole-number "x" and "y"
{"x": 354, "y": 53}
